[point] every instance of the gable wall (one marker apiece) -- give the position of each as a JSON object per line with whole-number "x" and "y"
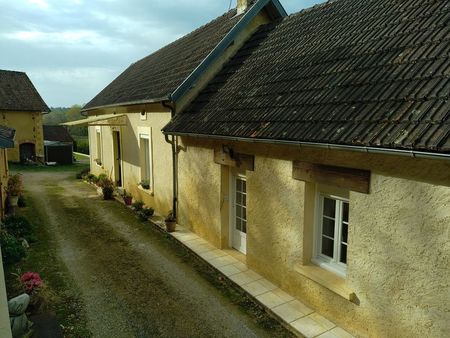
{"x": 28, "y": 126}
{"x": 398, "y": 233}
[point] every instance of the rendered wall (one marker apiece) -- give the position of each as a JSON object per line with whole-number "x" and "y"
{"x": 399, "y": 233}
{"x": 28, "y": 126}
{"x": 3, "y": 179}
{"x": 160, "y": 196}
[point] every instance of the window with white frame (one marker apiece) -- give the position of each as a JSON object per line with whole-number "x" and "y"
{"x": 146, "y": 160}
{"x": 98, "y": 136}
{"x": 331, "y": 233}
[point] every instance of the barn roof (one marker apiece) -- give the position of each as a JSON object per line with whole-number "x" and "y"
{"x": 17, "y": 93}
{"x": 57, "y": 133}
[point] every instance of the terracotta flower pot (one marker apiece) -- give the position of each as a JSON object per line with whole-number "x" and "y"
{"x": 128, "y": 200}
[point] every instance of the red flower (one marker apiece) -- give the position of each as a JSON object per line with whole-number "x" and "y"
{"x": 31, "y": 281}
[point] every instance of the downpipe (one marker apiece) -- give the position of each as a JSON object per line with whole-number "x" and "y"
{"x": 174, "y": 144}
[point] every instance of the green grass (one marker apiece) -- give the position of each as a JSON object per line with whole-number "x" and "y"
{"x": 43, "y": 258}
{"x": 80, "y": 156}
{"x": 15, "y": 167}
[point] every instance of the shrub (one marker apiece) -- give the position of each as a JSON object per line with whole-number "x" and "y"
{"x": 22, "y": 203}
{"x": 12, "y": 249}
{"x": 138, "y": 205}
{"x": 19, "y": 226}
{"x": 145, "y": 213}
{"x": 15, "y": 185}
{"x": 103, "y": 180}
{"x": 91, "y": 178}
{"x": 82, "y": 174}
{"x": 148, "y": 211}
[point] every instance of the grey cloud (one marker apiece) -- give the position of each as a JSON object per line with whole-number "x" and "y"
{"x": 78, "y": 47}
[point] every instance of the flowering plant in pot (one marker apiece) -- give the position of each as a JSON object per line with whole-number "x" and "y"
{"x": 14, "y": 189}
{"x": 127, "y": 198}
{"x": 40, "y": 295}
{"x": 107, "y": 186}
{"x": 170, "y": 221}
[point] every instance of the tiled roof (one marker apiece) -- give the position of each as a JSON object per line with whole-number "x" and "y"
{"x": 17, "y": 93}
{"x": 351, "y": 72}
{"x": 7, "y": 137}
{"x": 159, "y": 74}
{"x": 57, "y": 133}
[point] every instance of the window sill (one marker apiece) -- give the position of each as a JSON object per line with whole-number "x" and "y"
{"x": 147, "y": 191}
{"x": 328, "y": 280}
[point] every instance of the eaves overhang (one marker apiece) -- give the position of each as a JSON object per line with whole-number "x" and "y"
{"x": 329, "y": 146}
{"x": 129, "y": 103}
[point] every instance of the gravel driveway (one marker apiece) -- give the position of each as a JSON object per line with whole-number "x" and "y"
{"x": 135, "y": 282}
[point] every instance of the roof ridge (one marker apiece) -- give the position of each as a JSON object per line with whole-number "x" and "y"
{"x": 12, "y": 71}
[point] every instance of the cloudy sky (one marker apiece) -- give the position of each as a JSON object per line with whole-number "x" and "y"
{"x": 72, "y": 49}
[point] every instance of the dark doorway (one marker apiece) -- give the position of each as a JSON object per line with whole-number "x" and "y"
{"x": 27, "y": 152}
{"x": 117, "y": 158}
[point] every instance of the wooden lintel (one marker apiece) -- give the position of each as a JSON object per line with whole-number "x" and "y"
{"x": 346, "y": 178}
{"x": 237, "y": 160}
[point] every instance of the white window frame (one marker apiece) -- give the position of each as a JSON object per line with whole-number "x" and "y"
{"x": 331, "y": 264}
{"x": 145, "y": 134}
{"x": 99, "y": 148}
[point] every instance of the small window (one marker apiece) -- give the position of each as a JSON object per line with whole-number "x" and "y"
{"x": 146, "y": 161}
{"x": 99, "y": 146}
{"x": 331, "y": 233}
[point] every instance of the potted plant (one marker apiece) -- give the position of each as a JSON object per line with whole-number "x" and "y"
{"x": 145, "y": 184}
{"x": 107, "y": 186}
{"x": 127, "y": 198}
{"x": 145, "y": 213}
{"x": 14, "y": 189}
{"x": 137, "y": 206}
{"x": 171, "y": 222}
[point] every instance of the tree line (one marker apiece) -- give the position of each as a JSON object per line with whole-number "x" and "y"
{"x": 60, "y": 115}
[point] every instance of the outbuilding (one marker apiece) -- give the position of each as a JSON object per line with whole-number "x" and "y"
{"x": 58, "y": 145}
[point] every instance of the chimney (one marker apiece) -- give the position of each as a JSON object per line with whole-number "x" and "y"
{"x": 242, "y": 5}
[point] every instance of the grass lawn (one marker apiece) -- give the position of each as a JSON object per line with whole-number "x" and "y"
{"x": 80, "y": 156}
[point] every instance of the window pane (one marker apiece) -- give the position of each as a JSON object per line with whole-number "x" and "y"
{"x": 327, "y": 247}
{"x": 244, "y": 200}
{"x": 345, "y": 212}
{"x": 328, "y": 227}
{"x": 238, "y": 198}
{"x": 329, "y": 207}
{"x": 244, "y": 213}
{"x": 238, "y": 211}
{"x": 238, "y": 185}
{"x": 343, "y": 254}
{"x": 344, "y": 233}
{"x": 244, "y": 226}
{"x": 238, "y": 224}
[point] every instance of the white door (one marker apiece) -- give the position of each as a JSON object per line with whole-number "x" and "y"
{"x": 238, "y": 224}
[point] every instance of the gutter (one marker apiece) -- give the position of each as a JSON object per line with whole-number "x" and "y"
{"x": 130, "y": 103}
{"x": 329, "y": 146}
